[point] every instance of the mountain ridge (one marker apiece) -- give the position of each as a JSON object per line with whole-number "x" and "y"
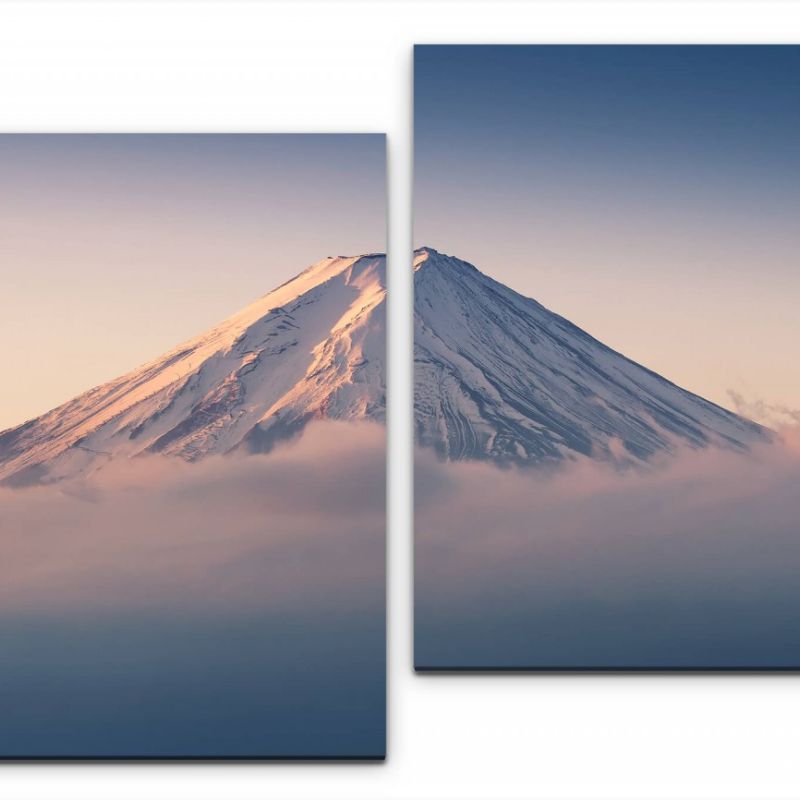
{"x": 312, "y": 347}
{"x": 498, "y": 377}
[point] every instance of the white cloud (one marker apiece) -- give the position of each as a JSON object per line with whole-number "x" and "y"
{"x": 694, "y": 561}
{"x": 301, "y": 527}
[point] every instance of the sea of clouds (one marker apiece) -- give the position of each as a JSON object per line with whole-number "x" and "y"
{"x": 230, "y": 607}
{"x": 692, "y": 562}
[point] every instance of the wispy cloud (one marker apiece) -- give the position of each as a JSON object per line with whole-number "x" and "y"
{"x": 774, "y": 415}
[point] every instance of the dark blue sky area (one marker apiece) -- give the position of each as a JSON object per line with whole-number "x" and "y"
{"x": 723, "y": 101}
{"x": 648, "y": 193}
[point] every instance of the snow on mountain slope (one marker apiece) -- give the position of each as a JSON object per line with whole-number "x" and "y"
{"x": 498, "y": 376}
{"x": 312, "y": 348}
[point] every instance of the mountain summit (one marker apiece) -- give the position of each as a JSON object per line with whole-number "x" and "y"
{"x": 498, "y": 376}
{"x": 312, "y": 348}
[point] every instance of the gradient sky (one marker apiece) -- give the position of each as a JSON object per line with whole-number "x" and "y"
{"x": 115, "y": 248}
{"x": 649, "y": 194}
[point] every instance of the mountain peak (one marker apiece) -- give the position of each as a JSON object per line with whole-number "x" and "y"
{"x": 425, "y": 257}
{"x": 497, "y": 376}
{"x": 312, "y": 348}
{"x": 422, "y": 255}
{"x": 500, "y": 377}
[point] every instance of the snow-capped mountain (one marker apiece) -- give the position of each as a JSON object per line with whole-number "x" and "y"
{"x": 498, "y": 376}
{"x": 312, "y": 348}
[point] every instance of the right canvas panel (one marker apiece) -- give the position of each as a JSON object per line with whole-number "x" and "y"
{"x": 607, "y": 391}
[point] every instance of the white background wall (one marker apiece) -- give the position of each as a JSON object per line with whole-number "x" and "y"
{"x": 342, "y": 66}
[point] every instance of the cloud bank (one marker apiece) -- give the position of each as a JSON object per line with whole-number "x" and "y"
{"x": 233, "y": 607}
{"x": 690, "y": 563}
{"x": 157, "y": 533}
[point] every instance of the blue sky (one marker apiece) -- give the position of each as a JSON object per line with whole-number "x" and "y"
{"x": 649, "y": 193}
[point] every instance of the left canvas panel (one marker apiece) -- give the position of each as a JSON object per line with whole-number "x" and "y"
{"x": 192, "y": 461}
